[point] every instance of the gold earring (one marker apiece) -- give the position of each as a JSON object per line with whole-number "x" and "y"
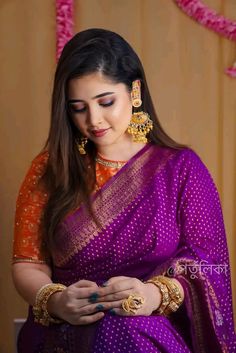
{"x": 81, "y": 143}
{"x": 136, "y": 94}
{"x": 140, "y": 124}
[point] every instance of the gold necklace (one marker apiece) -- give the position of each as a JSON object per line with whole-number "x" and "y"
{"x": 111, "y": 164}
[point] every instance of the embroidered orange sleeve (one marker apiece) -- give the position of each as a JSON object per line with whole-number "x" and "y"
{"x": 29, "y": 207}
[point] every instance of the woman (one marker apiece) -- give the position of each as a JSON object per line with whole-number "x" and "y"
{"x": 119, "y": 237}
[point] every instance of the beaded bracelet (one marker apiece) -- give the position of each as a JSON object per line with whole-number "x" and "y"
{"x": 40, "y": 311}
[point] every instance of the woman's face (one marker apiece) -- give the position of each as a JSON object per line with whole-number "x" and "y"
{"x": 100, "y": 108}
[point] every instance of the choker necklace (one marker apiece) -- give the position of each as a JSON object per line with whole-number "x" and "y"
{"x": 111, "y": 164}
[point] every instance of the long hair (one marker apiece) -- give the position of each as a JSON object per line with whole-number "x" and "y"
{"x": 68, "y": 180}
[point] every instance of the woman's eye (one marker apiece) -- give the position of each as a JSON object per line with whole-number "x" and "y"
{"x": 107, "y": 104}
{"x": 77, "y": 110}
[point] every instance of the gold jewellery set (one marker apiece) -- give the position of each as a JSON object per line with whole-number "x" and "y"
{"x": 139, "y": 126}
{"x": 171, "y": 299}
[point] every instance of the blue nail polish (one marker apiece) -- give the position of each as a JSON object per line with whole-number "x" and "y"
{"x": 93, "y": 298}
{"x": 112, "y": 312}
{"x": 99, "y": 307}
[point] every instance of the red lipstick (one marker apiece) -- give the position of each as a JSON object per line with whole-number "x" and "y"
{"x": 100, "y": 132}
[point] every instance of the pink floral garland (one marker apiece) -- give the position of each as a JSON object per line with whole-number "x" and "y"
{"x": 211, "y": 20}
{"x": 64, "y": 23}
{"x": 194, "y": 8}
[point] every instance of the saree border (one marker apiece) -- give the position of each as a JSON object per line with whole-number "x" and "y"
{"x": 79, "y": 229}
{"x": 197, "y": 317}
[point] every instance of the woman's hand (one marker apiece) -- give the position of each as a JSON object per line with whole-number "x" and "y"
{"x": 74, "y": 304}
{"x": 119, "y": 288}
{"x": 84, "y": 302}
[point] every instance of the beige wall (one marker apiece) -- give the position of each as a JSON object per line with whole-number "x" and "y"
{"x": 184, "y": 64}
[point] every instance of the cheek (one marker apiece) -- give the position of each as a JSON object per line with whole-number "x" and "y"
{"x": 79, "y": 123}
{"x": 121, "y": 114}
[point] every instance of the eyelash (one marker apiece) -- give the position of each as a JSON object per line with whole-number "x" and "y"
{"x": 84, "y": 109}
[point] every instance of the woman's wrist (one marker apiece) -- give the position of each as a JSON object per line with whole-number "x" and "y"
{"x": 40, "y": 308}
{"x": 156, "y": 296}
{"x": 171, "y": 294}
{"x": 53, "y": 305}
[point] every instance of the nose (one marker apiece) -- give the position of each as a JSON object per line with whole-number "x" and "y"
{"x": 94, "y": 116}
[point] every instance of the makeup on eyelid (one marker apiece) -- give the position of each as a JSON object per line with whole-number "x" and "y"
{"x": 78, "y": 107}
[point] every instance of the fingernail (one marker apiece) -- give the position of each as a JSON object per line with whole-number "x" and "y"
{"x": 93, "y": 298}
{"x": 99, "y": 307}
{"x": 112, "y": 312}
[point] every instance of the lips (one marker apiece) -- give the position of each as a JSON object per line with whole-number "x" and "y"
{"x": 100, "y": 132}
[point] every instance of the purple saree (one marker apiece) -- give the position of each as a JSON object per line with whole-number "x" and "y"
{"x": 160, "y": 214}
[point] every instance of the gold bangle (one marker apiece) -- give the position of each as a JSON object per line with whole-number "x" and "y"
{"x": 164, "y": 293}
{"x": 175, "y": 294}
{"x": 173, "y": 288}
{"x": 171, "y": 308}
{"x": 40, "y": 311}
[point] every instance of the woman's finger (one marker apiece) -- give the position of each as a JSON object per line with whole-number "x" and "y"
{"x": 120, "y": 311}
{"x": 90, "y": 309}
{"x": 115, "y": 296}
{"x": 86, "y": 320}
{"x": 119, "y": 286}
{"x": 85, "y": 283}
{"x": 116, "y": 279}
{"x": 82, "y": 292}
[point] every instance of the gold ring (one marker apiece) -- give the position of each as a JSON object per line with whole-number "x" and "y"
{"x": 132, "y": 303}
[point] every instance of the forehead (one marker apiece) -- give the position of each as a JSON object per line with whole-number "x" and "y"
{"x": 93, "y": 84}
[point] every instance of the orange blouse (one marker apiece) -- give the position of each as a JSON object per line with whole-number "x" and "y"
{"x": 31, "y": 201}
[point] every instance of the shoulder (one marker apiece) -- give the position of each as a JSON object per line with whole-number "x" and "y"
{"x": 38, "y": 165}
{"x": 189, "y": 162}
{"x": 34, "y": 173}
{"x": 183, "y": 164}
{"x": 185, "y": 158}
{"x": 40, "y": 161}
{"x": 191, "y": 172}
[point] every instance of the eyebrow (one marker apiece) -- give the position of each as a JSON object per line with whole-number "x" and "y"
{"x": 97, "y": 96}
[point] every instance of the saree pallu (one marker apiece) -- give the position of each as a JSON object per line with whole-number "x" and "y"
{"x": 160, "y": 214}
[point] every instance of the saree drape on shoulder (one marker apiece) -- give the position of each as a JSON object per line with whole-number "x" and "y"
{"x": 160, "y": 214}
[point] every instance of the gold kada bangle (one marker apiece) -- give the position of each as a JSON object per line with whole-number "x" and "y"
{"x": 171, "y": 295}
{"x": 174, "y": 292}
{"x": 40, "y": 311}
{"x": 165, "y": 300}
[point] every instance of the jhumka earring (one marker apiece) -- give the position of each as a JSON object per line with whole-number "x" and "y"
{"x": 81, "y": 143}
{"x": 140, "y": 124}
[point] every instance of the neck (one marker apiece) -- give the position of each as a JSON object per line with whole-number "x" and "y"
{"x": 117, "y": 152}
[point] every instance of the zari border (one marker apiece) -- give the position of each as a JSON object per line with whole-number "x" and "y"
{"x": 197, "y": 307}
{"x": 79, "y": 229}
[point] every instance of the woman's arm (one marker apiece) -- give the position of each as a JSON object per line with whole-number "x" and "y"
{"x": 28, "y": 278}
